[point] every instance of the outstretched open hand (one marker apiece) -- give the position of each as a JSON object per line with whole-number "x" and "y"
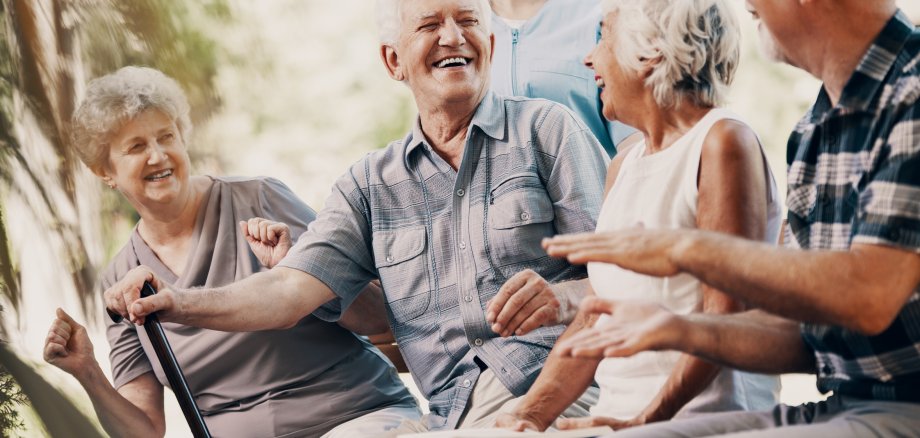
{"x": 632, "y": 327}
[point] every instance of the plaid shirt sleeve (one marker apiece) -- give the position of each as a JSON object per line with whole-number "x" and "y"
{"x": 336, "y": 247}
{"x": 888, "y": 210}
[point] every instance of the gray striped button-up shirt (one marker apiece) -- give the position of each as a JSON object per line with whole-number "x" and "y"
{"x": 443, "y": 242}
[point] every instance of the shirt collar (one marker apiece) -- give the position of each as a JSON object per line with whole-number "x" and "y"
{"x": 864, "y": 85}
{"x": 489, "y": 118}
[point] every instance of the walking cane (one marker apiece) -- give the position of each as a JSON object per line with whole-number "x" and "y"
{"x": 171, "y": 367}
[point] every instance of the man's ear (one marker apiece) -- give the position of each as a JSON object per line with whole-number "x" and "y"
{"x": 391, "y": 61}
{"x": 491, "y": 47}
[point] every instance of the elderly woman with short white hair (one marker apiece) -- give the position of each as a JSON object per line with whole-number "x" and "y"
{"x": 312, "y": 378}
{"x": 664, "y": 67}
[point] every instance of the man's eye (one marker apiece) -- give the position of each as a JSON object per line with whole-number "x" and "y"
{"x": 429, "y": 26}
{"x": 470, "y": 22}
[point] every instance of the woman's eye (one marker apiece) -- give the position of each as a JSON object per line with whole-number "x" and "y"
{"x": 166, "y": 137}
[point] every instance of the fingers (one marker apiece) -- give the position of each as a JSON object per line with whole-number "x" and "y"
{"x": 597, "y": 305}
{"x": 128, "y": 289}
{"x": 508, "y": 289}
{"x": 584, "y": 422}
{"x": 544, "y": 316}
{"x": 262, "y": 230}
{"x": 141, "y": 308}
{"x": 526, "y": 297}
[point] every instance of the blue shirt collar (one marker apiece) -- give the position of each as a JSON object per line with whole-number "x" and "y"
{"x": 489, "y": 118}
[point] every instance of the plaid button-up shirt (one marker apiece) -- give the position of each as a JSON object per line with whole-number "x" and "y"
{"x": 854, "y": 177}
{"x": 443, "y": 242}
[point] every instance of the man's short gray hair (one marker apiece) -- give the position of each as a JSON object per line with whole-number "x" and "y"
{"x": 389, "y": 20}
{"x": 115, "y": 99}
{"x": 697, "y": 43}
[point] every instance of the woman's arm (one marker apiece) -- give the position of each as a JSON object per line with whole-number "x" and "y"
{"x": 733, "y": 196}
{"x": 134, "y": 410}
{"x": 560, "y": 383}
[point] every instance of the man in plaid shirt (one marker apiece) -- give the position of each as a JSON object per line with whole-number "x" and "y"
{"x": 842, "y": 299}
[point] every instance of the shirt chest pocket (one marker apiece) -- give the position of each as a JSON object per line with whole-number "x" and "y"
{"x": 403, "y": 270}
{"x": 520, "y": 216}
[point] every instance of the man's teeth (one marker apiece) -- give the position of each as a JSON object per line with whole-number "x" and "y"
{"x": 448, "y": 61}
{"x": 160, "y": 175}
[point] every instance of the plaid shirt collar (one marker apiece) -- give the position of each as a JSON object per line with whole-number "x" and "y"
{"x": 861, "y": 92}
{"x": 489, "y": 118}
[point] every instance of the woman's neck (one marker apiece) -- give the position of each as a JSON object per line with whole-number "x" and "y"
{"x": 661, "y": 127}
{"x": 163, "y": 226}
{"x": 517, "y": 9}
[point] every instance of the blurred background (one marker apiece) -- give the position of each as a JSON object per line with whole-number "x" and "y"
{"x": 288, "y": 88}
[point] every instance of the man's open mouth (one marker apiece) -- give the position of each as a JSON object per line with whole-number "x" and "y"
{"x": 456, "y": 61}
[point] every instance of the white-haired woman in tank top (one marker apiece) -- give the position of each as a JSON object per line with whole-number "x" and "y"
{"x": 664, "y": 67}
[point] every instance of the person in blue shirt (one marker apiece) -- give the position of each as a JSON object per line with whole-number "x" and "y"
{"x": 539, "y": 48}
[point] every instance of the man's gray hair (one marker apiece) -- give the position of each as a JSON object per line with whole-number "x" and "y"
{"x": 696, "y": 43}
{"x": 389, "y": 20}
{"x": 115, "y": 99}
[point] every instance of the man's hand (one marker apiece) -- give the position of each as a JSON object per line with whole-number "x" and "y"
{"x": 124, "y": 297}
{"x": 526, "y": 301}
{"x": 632, "y": 327}
{"x": 270, "y": 241}
{"x": 68, "y": 346}
{"x": 518, "y": 423}
{"x": 644, "y": 251}
{"x": 588, "y": 422}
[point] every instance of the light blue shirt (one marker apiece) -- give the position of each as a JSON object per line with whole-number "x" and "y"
{"x": 443, "y": 241}
{"x": 543, "y": 59}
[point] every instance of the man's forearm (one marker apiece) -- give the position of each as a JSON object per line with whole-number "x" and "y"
{"x": 751, "y": 341}
{"x": 275, "y": 299}
{"x": 843, "y": 288}
{"x": 367, "y": 315}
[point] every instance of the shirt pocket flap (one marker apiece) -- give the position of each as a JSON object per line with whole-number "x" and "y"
{"x": 519, "y": 200}
{"x": 396, "y": 246}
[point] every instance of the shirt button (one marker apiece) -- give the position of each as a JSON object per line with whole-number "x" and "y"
{"x": 468, "y": 299}
{"x": 525, "y": 216}
{"x": 467, "y": 383}
{"x": 478, "y": 342}
{"x": 827, "y": 370}
{"x": 460, "y": 192}
{"x": 462, "y": 245}
{"x": 389, "y": 259}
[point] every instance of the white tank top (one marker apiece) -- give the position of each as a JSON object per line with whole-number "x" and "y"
{"x": 660, "y": 191}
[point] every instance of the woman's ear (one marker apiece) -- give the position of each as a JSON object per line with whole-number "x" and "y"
{"x": 648, "y": 65}
{"x": 104, "y": 176}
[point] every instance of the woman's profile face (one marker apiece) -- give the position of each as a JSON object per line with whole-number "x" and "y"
{"x": 148, "y": 161}
{"x": 620, "y": 89}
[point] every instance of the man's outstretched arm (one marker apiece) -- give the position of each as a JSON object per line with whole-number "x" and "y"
{"x": 862, "y": 288}
{"x": 274, "y": 299}
{"x": 753, "y": 341}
